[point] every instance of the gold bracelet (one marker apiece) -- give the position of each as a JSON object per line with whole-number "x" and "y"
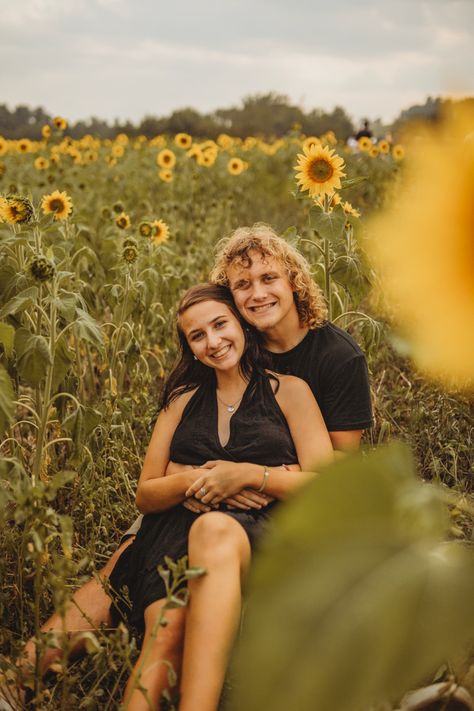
{"x": 266, "y": 474}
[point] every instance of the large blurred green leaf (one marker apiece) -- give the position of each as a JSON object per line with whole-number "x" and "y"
{"x": 6, "y": 400}
{"x": 33, "y": 356}
{"x": 20, "y": 302}
{"x": 355, "y": 597}
{"x": 63, "y": 358}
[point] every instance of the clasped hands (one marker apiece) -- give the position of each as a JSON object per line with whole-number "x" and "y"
{"x": 223, "y": 482}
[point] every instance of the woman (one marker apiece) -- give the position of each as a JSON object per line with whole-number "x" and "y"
{"x": 219, "y": 403}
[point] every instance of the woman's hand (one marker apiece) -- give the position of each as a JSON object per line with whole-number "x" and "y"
{"x": 222, "y": 480}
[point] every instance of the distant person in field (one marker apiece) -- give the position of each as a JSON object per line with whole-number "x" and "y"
{"x": 365, "y": 131}
{"x": 273, "y": 290}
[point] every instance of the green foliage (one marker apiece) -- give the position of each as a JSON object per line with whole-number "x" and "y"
{"x": 356, "y": 596}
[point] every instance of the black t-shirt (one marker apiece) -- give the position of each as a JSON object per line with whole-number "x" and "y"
{"x": 334, "y": 367}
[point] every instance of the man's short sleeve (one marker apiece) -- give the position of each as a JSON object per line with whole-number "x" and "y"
{"x": 346, "y": 404}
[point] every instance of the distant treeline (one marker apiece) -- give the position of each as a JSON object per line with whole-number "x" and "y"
{"x": 265, "y": 115}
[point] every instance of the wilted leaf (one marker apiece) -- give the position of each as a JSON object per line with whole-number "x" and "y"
{"x": 33, "y": 356}
{"x": 355, "y": 597}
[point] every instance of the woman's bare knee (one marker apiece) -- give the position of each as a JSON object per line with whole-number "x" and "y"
{"x": 217, "y": 535}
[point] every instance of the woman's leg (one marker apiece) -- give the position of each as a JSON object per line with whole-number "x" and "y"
{"x": 219, "y": 544}
{"x": 160, "y": 646}
{"x": 88, "y": 609}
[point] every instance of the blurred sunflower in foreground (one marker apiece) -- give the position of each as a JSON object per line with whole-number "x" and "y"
{"x": 423, "y": 248}
{"x": 319, "y": 170}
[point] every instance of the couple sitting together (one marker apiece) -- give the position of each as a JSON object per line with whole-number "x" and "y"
{"x": 264, "y": 391}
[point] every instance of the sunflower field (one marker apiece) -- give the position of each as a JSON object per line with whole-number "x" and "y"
{"x": 98, "y": 239}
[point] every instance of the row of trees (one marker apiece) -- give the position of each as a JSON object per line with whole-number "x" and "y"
{"x": 266, "y": 115}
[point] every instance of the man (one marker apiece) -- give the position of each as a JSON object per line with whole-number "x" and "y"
{"x": 273, "y": 290}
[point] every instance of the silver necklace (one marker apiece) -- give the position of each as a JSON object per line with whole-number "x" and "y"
{"x": 229, "y": 408}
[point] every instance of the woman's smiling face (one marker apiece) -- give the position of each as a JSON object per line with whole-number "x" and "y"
{"x": 213, "y": 334}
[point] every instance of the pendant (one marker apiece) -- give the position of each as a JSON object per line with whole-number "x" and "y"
{"x": 230, "y": 408}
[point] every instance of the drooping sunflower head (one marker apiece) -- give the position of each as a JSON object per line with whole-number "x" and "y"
{"x": 58, "y": 203}
{"x": 123, "y": 221}
{"x": 183, "y": 140}
{"x": 160, "y": 232}
{"x": 319, "y": 170}
{"x": 130, "y": 253}
{"x": 15, "y": 209}
{"x": 166, "y": 158}
{"x": 235, "y": 166}
{"x": 41, "y": 268}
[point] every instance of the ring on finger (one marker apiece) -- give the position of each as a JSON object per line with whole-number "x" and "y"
{"x": 203, "y": 491}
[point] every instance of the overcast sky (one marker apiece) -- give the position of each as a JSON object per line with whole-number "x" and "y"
{"x": 128, "y": 58}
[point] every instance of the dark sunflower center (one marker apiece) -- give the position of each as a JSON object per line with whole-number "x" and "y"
{"x": 166, "y": 158}
{"x": 158, "y": 231}
{"x": 320, "y": 170}
{"x": 15, "y": 211}
{"x": 56, "y": 205}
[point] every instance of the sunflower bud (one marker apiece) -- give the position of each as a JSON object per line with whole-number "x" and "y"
{"x": 41, "y": 268}
{"x": 145, "y": 229}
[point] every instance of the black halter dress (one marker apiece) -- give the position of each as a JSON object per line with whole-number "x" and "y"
{"x": 259, "y": 434}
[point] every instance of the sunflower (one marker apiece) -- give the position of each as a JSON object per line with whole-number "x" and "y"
{"x": 183, "y": 140}
{"x": 383, "y": 146}
{"x": 320, "y": 171}
{"x": 365, "y": 144}
{"x": 24, "y": 145}
{"x": 335, "y": 199}
{"x": 60, "y": 123}
{"x": 145, "y": 229}
{"x": 349, "y": 210}
{"x": 235, "y": 166}
{"x": 310, "y": 141}
{"x": 3, "y": 145}
{"x": 224, "y": 141}
{"x": 194, "y": 152}
{"x": 423, "y": 248}
{"x": 130, "y": 253}
{"x": 15, "y": 209}
{"x": 166, "y": 158}
{"x": 373, "y": 151}
{"x": 398, "y": 152}
{"x": 46, "y": 131}
{"x": 60, "y": 204}
{"x": 166, "y": 175}
{"x": 118, "y": 149}
{"x": 160, "y": 232}
{"x": 41, "y": 163}
{"x": 207, "y": 158}
{"x": 123, "y": 221}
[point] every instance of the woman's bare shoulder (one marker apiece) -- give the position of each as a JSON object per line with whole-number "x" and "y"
{"x": 176, "y": 407}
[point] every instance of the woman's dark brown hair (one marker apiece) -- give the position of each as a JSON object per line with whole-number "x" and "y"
{"x": 189, "y": 373}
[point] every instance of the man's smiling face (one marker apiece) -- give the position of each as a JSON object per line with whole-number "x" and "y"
{"x": 261, "y": 291}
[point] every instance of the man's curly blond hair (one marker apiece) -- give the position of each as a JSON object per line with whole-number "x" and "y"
{"x": 261, "y": 238}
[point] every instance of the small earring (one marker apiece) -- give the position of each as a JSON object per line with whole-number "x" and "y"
{"x": 195, "y": 357}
